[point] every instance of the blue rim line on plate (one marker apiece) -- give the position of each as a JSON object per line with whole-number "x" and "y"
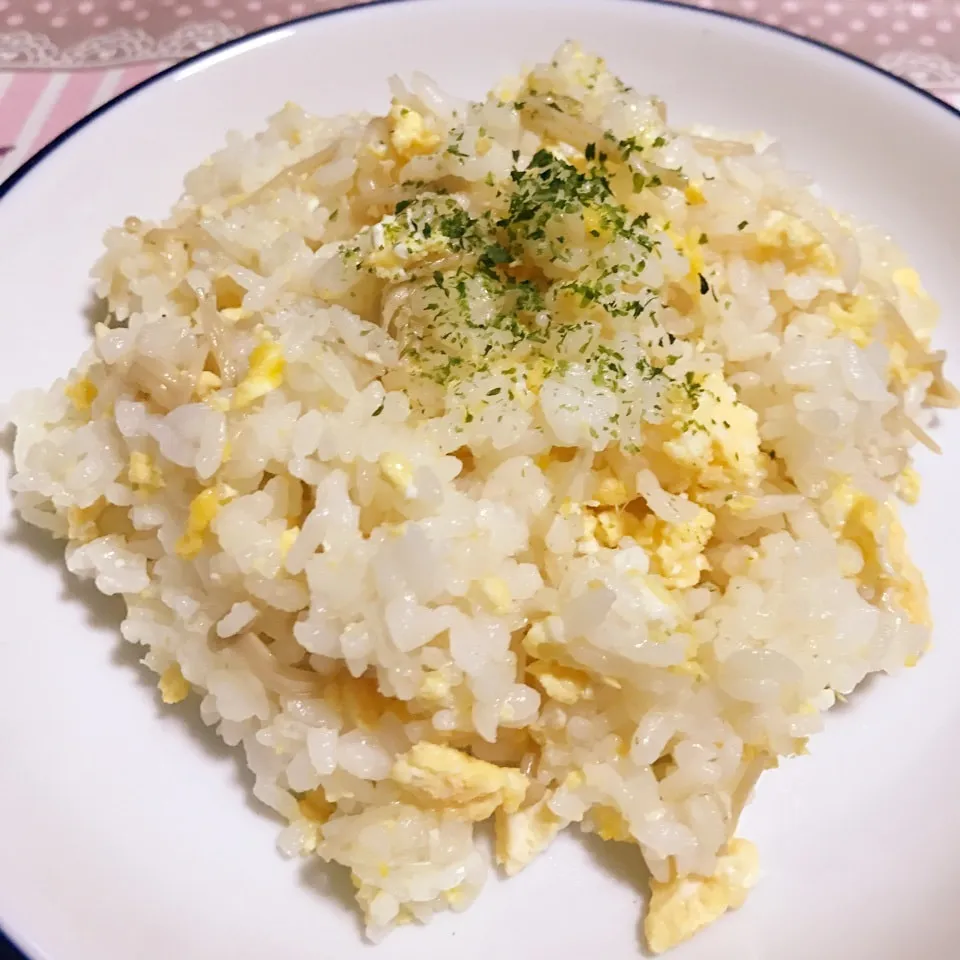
{"x": 8, "y": 951}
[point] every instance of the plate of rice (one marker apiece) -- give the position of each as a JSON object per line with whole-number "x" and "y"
{"x": 464, "y": 495}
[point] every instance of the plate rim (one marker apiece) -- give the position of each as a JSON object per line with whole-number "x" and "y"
{"x": 21, "y": 172}
{"x": 15, "y": 943}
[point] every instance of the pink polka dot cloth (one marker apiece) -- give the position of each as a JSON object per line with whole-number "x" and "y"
{"x": 60, "y": 59}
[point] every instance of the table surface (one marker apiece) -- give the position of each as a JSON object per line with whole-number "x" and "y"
{"x": 60, "y": 59}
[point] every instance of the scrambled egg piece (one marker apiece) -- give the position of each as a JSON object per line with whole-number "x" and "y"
{"x": 908, "y": 587}
{"x": 287, "y": 539}
{"x": 795, "y": 244}
{"x": 875, "y": 529}
{"x": 856, "y": 317}
{"x": 536, "y": 642}
{"x": 593, "y": 224}
{"x": 497, "y": 592}
{"x": 688, "y": 245}
{"x": 410, "y": 135}
{"x": 359, "y": 700}
{"x": 682, "y": 906}
{"x": 676, "y": 549}
{"x": 908, "y": 485}
{"x": 718, "y": 437}
{"x": 471, "y": 789}
{"x": 566, "y": 685}
{"x": 609, "y": 528}
{"x": 81, "y": 393}
{"x": 523, "y": 835}
{"x": 82, "y": 521}
{"x": 909, "y": 279}
{"x": 899, "y": 368}
{"x": 434, "y": 688}
{"x": 611, "y": 492}
{"x": 398, "y": 471}
{"x": 601, "y": 527}
{"x": 397, "y": 247}
{"x": 142, "y": 472}
{"x": 203, "y": 508}
{"x": 173, "y": 687}
{"x": 266, "y": 371}
{"x": 610, "y": 824}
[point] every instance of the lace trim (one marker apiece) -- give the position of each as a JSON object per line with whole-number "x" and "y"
{"x": 932, "y": 71}
{"x": 116, "y": 48}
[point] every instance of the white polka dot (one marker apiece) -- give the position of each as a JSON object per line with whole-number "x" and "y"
{"x": 799, "y": 31}
{"x": 85, "y": 7}
{"x": 101, "y": 21}
{"x": 857, "y": 26}
{"x": 227, "y": 14}
{"x": 918, "y": 10}
{"x": 838, "y": 37}
{"x": 944, "y": 26}
{"x": 211, "y": 3}
{"x": 43, "y": 7}
{"x": 899, "y": 26}
{"x": 141, "y": 15}
{"x": 877, "y": 9}
{"x": 183, "y": 11}
{"x": 125, "y": 6}
{"x": 790, "y": 6}
{"x": 297, "y": 9}
{"x": 815, "y": 21}
{"x": 271, "y": 19}
{"x": 834, "y": 9}
{"x": 58, "y": 22}
{"x": 14, "y": 20}
{"x": 882, "y": 39}
{"x": 926, "y": 41}
{"x": 705, "y": 4}
{"x": 3, "y": 5}
{"x": 253, "y": 6}
{"x": 748, "y": 5}
{"x": 772, "y": 19}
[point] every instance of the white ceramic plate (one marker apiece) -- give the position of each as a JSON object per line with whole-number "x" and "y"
{"x": 125, "y": 829}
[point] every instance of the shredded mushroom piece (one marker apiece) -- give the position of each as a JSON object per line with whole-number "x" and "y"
{"x": 288, "y": 681}
{"x": 393, "y": 301}
{"x": 741, "y": 794}
{"x": 723, "y": 148}
{"x": 289, "y": 175}
{"x": 917, "y": 354}
{"x": 912, "y": 427}
{"x": 942, "y": 392}
{"x": 555, "y": 122}
{"x": 213, "y": 328}
{"x": 166, "y": 385}
{"x": 194, "y": 236}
